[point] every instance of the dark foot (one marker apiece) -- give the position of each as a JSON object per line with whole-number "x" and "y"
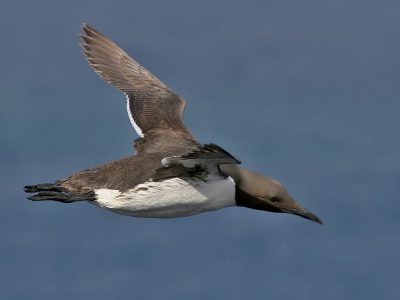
{"x": 40, "y": 187}
{"x": 61, "y": 197}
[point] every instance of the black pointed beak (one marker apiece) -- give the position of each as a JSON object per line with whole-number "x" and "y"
{"x": 304, "y": 213}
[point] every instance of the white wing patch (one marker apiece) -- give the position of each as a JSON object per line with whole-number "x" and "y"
{"x": 137, "y": 128}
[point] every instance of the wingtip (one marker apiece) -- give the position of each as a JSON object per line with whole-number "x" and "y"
{"x": 86, "y": 26}
{"x": 30, "y": 189}
{"x": 85, "y": 38}
{"x": 239, "y": 161}
{"x": 215, "y": 148}
{"x": 88, "y": 29}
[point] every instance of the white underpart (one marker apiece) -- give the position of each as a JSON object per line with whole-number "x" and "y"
{"x": 170, "y": 198}
{"x": 137, "y": 128}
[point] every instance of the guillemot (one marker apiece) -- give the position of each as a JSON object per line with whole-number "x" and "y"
{"x": 171, "y": 174}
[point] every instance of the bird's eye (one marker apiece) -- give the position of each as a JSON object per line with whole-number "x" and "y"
{"x": 274, "y": 199}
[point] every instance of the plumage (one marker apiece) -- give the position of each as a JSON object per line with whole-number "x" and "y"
{"x": 171, "y": 174}
{"x": 154, "y": 109}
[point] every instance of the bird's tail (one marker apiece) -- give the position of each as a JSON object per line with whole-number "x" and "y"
{"x": 51, "y": 191}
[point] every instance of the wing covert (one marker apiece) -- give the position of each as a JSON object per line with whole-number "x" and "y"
{"x": 206, "y": 159}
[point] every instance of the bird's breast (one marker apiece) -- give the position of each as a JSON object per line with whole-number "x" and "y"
{"x": 170, "y": 198}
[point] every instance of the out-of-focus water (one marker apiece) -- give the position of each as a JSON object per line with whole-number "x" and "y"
{"x": 306, "y": 93}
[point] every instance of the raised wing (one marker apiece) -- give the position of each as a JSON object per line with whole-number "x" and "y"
{"x": 154, "y": 109}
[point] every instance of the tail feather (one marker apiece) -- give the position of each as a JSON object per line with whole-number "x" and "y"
{"x": 50, "y": 191}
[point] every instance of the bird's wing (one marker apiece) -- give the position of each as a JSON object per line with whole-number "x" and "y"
{"x": 154, "y": 109}
{"x": 198, "y": 163}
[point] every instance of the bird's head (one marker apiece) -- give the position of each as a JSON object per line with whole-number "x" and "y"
{"x": 259, "y": 192}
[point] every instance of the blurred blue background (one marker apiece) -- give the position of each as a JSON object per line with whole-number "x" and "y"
{"x": 306, "y": 92}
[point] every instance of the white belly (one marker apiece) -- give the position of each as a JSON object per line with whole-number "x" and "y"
{"x": 170, "y": 198}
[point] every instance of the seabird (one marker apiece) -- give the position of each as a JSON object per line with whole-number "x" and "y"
{"x": 171, "y": 174}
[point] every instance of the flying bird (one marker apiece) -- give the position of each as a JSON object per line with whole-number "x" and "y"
{"x": 171, "y": 174}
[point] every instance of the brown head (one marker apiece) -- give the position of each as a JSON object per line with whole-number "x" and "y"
{"x": 259, "y": 192}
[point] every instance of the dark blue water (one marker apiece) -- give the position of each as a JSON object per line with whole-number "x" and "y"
{"x": 303, "y": 92}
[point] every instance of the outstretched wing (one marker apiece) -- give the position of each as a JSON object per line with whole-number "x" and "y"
{"x": 198, "y": 163}
{"x": 154, "y": 109}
